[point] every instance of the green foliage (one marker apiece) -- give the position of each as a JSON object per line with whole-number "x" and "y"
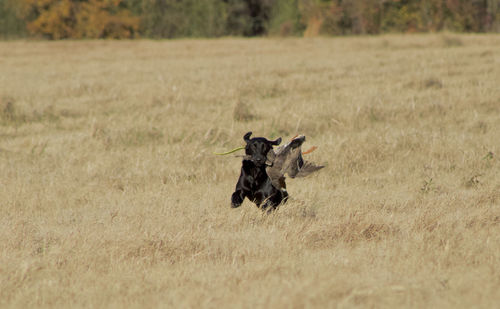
{"x": 401, "y": 16}
{"x": 190, "y": 18}
{"x": 286, "y": 18}
{"x": 11, "y": 26}
{"x": 207, "y": 18}
{"x": 248, "y": 17}
{"x": 374, "y": 16}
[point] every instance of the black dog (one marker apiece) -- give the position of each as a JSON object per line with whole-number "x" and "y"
{"x": 254, "y": 183}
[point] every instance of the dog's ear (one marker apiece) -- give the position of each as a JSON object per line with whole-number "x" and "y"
{"x": 276, "y": 142}
{"x": 246, "y": 137}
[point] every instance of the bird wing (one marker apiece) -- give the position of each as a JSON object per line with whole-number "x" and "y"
{"x": 308, "y": 168}
{"x": 287, "y": 159}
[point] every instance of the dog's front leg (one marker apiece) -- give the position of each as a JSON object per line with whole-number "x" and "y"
{"x": 238, "y": 195}
{"x": 237, "y": 198}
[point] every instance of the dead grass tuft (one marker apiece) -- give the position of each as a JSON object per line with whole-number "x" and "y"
{"x": 7, "y": 108}
{"x": 9, "y": 113}
{"x": 451, "y": 41}
{"x": 432, "y": 83}
{"x": 428, "y": 83}
{"x": 241, "y": 111}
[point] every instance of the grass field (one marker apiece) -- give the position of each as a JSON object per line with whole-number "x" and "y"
{"x": 110, "y": 195}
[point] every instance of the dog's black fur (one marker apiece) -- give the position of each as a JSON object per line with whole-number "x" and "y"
{"x": 254, "y": 183}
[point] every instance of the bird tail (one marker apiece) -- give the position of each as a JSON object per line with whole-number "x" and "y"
{"x": 309, "y": 150}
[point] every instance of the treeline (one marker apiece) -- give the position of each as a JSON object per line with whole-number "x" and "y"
{"x": 61, "y": 19}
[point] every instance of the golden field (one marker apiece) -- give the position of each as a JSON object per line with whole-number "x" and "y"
{"x": 110, "y": 195}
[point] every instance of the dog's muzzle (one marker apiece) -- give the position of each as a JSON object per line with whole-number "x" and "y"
{"x": 259, "y": 160}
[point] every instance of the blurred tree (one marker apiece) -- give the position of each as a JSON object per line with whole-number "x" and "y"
{"x": 341, "y": 17}
{"x": 248, "y": 17}
{"x": 431, "y": 15}
{"x": 162, "y": 18}
{"x": 469, "y": 16}
{"x": 400, "y": 16}
{"x": 208, "y": 18}
{"x": 314, "y": 13}
{"x": 493, "y": 15}
{"x": 285, "y": 18}
{"x": 60, "y": 19}
{"x": 11, "y": 25}
{"x": 104, "y": 19}
{"x": 174, "y": 18}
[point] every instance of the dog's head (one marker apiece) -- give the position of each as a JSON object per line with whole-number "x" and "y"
{"x": 257, "y": 148}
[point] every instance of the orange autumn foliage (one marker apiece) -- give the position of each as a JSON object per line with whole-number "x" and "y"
{"x": 61, "y": 19}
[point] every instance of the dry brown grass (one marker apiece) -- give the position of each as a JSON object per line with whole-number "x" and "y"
{"x": 110, "y": 196}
